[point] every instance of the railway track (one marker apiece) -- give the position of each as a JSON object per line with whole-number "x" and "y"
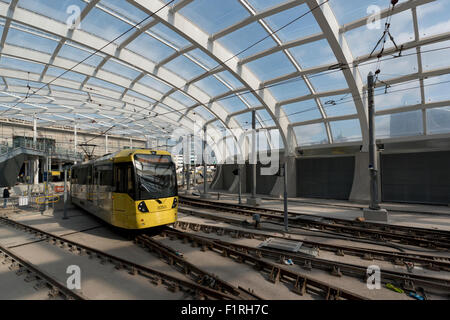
{"x": 299, "y": 282}
{"x": 435, "y": 263}
{"x": 200, "y": 276}
{"x": 174, "y": 284}
{"x": 407, "y": 281}
{"x": 422, "y": 237}
{"x": 21, "y": 266}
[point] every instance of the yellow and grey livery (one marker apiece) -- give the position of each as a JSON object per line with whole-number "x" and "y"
{"x": 130, "y": 189}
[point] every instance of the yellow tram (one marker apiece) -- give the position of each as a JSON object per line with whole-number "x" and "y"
{"x": 130, "y": 189}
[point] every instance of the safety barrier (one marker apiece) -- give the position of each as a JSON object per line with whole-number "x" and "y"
{"x": 55, "y": 200}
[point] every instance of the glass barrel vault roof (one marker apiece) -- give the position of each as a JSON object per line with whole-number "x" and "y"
{"x": 152, "y": 67}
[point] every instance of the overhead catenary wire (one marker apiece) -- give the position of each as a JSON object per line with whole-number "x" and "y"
{"x": 354, "y": 98}
{"x": 176, "y": 88}
{"x": 337, "y": 102}
{"x": 383, "y": 39}
{"x": 235, "y": 55}
{"x": 393, "y": 2}
{"x": 295, "y": 79}
{"x": 237, "y": 94}
{"x": 89, "y": 56}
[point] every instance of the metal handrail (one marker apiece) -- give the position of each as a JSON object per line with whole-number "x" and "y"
{"x": 4, "y": 149}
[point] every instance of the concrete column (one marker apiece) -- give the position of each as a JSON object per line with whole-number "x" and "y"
{"x": 131, "y": 143}
{"x": 34, "y": 170}
{"x": 278, "y": 188}
{"x": 205, "y": 194}
{"x": 194, "y": 159}
{"x": 188, "y": 163}
{"x": 106, "y": 143}
{"x": 26, "y": 167}
{"x": 360, "y": 192}
{"x": 34, "y": 131}
{"x": 147, "y": 142}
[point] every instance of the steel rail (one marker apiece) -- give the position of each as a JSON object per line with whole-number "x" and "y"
{"x": 199, "y": 275}
{"x": 382, "y": 226}
{"x": 397, "y": 258}
{"x": 156, "y": 277}
{"x": 21, "y": 264}
{"x": 413, "y": 236}
{"x": 407, "y": 280}
{"x": 277, "y": 273}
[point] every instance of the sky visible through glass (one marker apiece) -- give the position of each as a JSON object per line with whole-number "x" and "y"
{"x": 218, "y": 59}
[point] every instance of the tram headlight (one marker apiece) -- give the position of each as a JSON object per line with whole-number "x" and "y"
{"x": 142, "y": 207}
{"x": 175, "y": 202}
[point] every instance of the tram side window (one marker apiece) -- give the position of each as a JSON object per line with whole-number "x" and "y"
{"x": 119, "y": 178}
{"x": 74, "y": 176}
{"x": 82, "y": 175}
{"x": 90, "y": 175}
{"x": 106, "y": 177}
{"x": 130, "y": 180}
{"x": 95, "y": 178}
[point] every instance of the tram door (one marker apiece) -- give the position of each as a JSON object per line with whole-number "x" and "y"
{"x": 96, "y": 188}
{"x": 123, "y": 202}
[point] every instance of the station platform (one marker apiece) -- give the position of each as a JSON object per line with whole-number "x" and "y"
{"x": 413, "y": 215}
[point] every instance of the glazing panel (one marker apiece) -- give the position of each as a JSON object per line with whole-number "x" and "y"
{"x": 314, "y": 54}
{"x": 290, "y": 26}
{"x": 279, "y": 66}
{"x": 184, "y": 67}
{"x": 346, "y": 130}
{"x": 247, "y": 40}
{"x": 399, "y": 124}
{"x": 214, "y": 15}
{"x": 311, "y": 134}
{"x": 302, "y": 111}
{"x": 437, "y": 88}
{"x": 397, "y": 95}
{"x": 362, "y": 40}
{"x": 438, "y": 120}
{"x": 150, "y": 48}
{"x": 288, "y": 89}
{"x": 433, "y": 18}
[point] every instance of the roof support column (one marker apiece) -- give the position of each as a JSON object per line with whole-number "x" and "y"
{"x": 330, "y": 27}
{"x": 205, "y": 194}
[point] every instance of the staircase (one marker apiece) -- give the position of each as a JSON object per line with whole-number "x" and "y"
{"x": 11, "y": 160}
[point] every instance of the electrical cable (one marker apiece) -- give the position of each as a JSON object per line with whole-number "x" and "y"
{"x": 235, "y": 55}
{"x": 240, "y": 93}
{"x": 98, "y": 50}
